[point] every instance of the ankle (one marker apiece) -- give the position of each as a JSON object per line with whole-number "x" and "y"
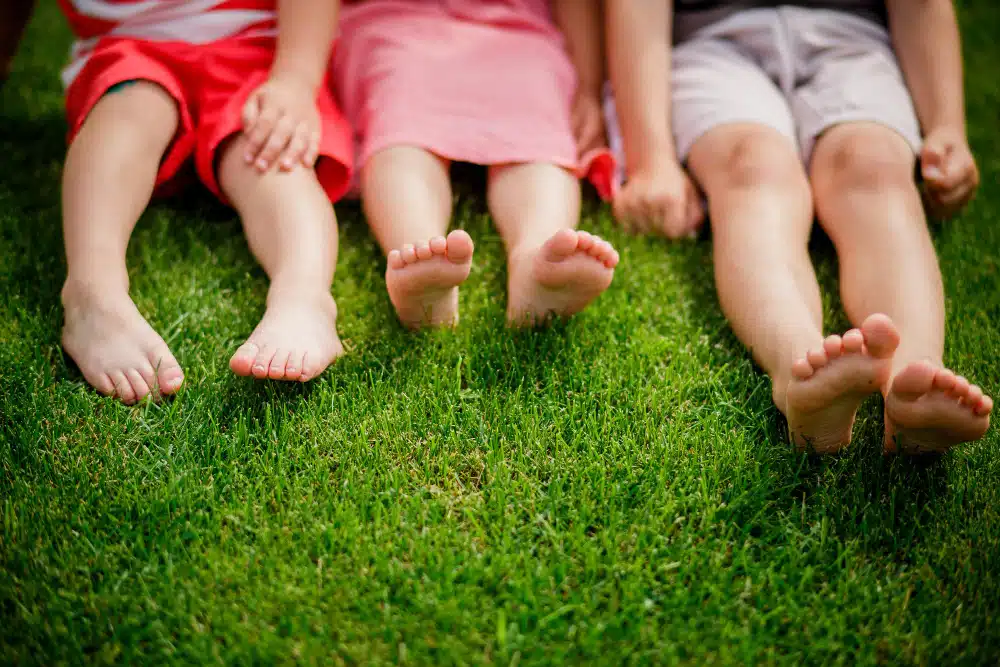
{"x": 84, "y": 288}
{"x": 779, "y": 391}
{"x": 282, "y": 292}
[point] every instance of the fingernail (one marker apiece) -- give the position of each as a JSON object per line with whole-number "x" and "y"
{"x": 262, "y": 164}
{"x": 248, "y": 157}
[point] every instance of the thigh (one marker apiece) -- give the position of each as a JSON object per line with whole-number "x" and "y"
{"x": 717, "y": 83}
{"x": 852, "y": 76}
{"x": 127, "y": 85}
{"x": 224, "y": 74}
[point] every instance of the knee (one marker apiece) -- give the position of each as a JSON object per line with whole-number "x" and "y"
{"x": 761, "y": 162}
{"x": 866, "y": 161}
{"x": 141, "y": 115}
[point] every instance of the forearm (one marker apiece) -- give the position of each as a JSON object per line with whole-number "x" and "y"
{"x": 306, "y": 30}
{"x": 926, "y": 39}
{"x": 581, "y": 23}
{"x": 638, "y": 42}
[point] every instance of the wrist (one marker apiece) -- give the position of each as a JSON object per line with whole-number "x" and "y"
{"x": 656, "y": 157}
{"x": 297, "y": 75}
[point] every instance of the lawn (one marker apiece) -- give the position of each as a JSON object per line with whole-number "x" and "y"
{"x": 617, "y": 489}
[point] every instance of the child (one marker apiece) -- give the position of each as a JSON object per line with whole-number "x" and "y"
{"x": 783, "y": 112}
{"x": 155, "y": 85}
{"x": 428, "y": 82}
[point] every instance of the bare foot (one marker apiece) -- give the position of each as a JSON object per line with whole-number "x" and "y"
{"x": 929, "y": 409}
{"x": 567, "y": 273}
{"x": 423, "y": 280}
{"x": 829, "y": 385}
{"x": 296, "y": 339}
{"x": 117, "y": 351}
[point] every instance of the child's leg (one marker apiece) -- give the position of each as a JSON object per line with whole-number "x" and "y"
{"x": 868, "y": 202}
{"x": 761, "y": 215}
{"x": 110, "y": 172}
{"x": 407, "y": 199}
{"x": 552, "y": 269}
{"x": 292, "y": 230}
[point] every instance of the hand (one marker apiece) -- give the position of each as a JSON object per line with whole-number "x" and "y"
{"x": 660, "y": 200}
{"x": 588, "y": 122}
{"x": 949, "y": 171}
{"x": 282, "y": 125}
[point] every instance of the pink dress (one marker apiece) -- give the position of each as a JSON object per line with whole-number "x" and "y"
{"x": 481, "y": 81}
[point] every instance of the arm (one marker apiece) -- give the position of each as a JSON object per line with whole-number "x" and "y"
{"x": 638, "y": 43}
{"x": 280, "y": 119}
{"x": 14, "y": 17}
{"x": 580, "y": 22}
{"x": 658, "y": 196}
{"x": 934, "y": 77}
{"x": 306, "y": 29}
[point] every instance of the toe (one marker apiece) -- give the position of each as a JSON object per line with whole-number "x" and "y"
{"x": 242, "y": 361}
{"x": 833, "y": 346}
{"x": 881, "y": 335}
{"x": 262, "y": 363}
{"x": 123, "y": 388}
{"x": 140, "y": 387}
{"x": 854, "y": 341}
{"x": 973, "y": 397}
{"x": 438, "y": 245}
{"x": 293, "y": 369}
{"x": 169, "y": 375}
{"x": 817, "y": 358}
{"x": 985, "y": 407}
{"x": 802, "y": 370}
{"x": 148, "y": 375}
{"x": 914, "y": 381}
{"x": 395, "y": 260}
{"x": 945, "y": 380}
{"x": 562, "y": 244}
{"x": 408, "y": 253}
{"x": 960, "y": 389}
{"x": 310, "y": 368}
{"x": 460, "y": 246}
{"x": 587, "y": 242}
{"x": 612, "y": 259}
{"x": 276, "y": 369}
{"x": 424, "y": 251}
{"x": 104, "y": 384}
{"x": 170, "y": 379}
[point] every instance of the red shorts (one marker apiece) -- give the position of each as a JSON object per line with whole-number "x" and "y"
{"x": 210, "y": 83}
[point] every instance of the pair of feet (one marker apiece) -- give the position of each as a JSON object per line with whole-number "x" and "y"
{"x": 120, "y": 355}
{"x": 560, "y": 277}
{"x": 928, "y": 409}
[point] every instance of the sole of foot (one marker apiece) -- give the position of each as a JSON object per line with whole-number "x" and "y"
{"x": 561, "y": 278}
{"x": 114, "y": 347}
{"x": 832, "y": 381}
{"x": 295, "y": 341}
{"x": 423, "y": 279}
{"x": 929, "y": 410}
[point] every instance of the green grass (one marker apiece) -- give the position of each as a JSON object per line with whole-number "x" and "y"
{"x": 617, "y": 489}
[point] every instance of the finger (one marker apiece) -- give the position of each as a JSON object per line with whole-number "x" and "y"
{"x": 295, "y": 151}
{"x": 251, "y": 111}
{"x": 276, "y": 143}
{"x": 934, "y": 158}
{"x": 261, "y": 132}
{"x": 312, "y": 150}
{"x": 947, "y": 203}
{"x": 619, "y": 209}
